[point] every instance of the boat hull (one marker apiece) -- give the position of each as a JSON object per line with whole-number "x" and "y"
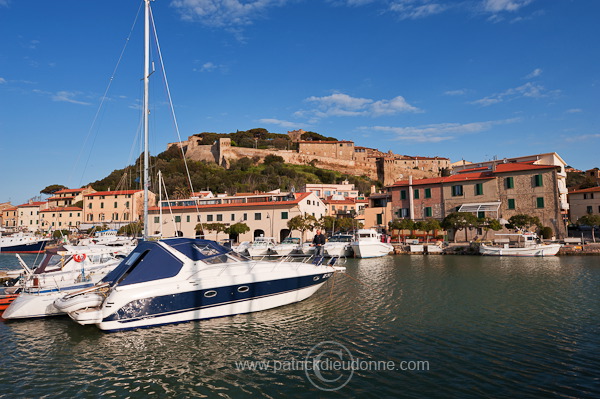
{"x": 371, "y": 249}
{"x": 534, "y": 250}
{"x": 25, "y": 248}
{"x": 121, "y": 312}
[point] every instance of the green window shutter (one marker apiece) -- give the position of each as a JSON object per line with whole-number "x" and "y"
{"x": 416, "y": 194}
{"x": 427, "y": 193}
{"x": 428, "y": 212}
{"x": 379, "y": 218}
{"x": 177, "y": 219}
{"x": 511, "y": 203}
{"x": 479, "y": 189}
{"x": 284, "y": 215}
{"x": 481, "y": 214}
{"x": 402, "y": 194}
{"x": 538, "y": 180}
{"x": 510, "y": 182}
{"x": 540, "y": 202}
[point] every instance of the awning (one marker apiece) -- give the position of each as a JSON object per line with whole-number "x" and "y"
{"x": 480, "y": 207}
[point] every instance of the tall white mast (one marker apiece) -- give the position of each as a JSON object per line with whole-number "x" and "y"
{"x": 146, "y": 110}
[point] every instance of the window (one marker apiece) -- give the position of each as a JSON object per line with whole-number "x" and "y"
{"x": 428, "y": 212}
{"x": 416, "y": 194}
{"x": 539, "y": 202}
{"x": 245, "y": 216}
{"x": 156, "y": 219}
{"x": 90, "y": 205}
{"x": 115, "y": 204}
{"x": 198, "y": 218}
{"x": 233, "y": 217}
{"x": 511, "y": 203}
{"x": 457, "y": 190}
{"x": 127, "y": 204}
{"x": 509, "y": 182}
{"x": 479, "y": 189}
{"x": 427, "y": 193}
{"x": 257, "y": 216}
{"x": 284, "y": 215}
{"x": 402, "y": 194}
{"x": 115, "y": 216}
{"x": 537, "y": 181}
{"x": 177, "y": 219}
{"x": 187, "y": 218}
{"x": 102, "y": 205}
{"x": 481, "y": 214}
{"x": 590, "y": 209}
{"x": 209, "y": 218}
{"x": 219, "y": 218}
{"x": 379, "y": 218}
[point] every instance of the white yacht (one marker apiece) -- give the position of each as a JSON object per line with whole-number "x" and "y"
{"x": 367, "y": 244}
{"x": 183, "y": 279}
{"x": 261, "y": 246}
{"x": 63, "y": 270}
{"x": 22, "y": 243}
{"x": 287, "y": 246}
{"x": 339, "y": 245}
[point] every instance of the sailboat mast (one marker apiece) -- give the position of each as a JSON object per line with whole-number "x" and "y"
{"x": 146, "y": 110}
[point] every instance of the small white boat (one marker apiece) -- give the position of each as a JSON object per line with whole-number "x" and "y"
{"x": 339, "y": 245}
{"x": 242, "y": 248}
{"x": 529, "y": 247}
{"x": 108, "y": 237}
{"x": 261, "y": 246}
{"x": 63, "y": 270}
{"x": 307, "y": 248}
{"x": 368, "y": 244}
{"x": 287, "y": 246}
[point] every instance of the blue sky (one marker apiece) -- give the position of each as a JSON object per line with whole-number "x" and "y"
{"x": 472, "y": 79}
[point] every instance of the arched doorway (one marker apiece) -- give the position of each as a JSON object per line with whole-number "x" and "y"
{"x": 258, "y": 233}
{"x": 284, "y": 233}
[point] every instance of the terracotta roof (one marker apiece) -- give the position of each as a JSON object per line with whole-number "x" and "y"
{"x": 517, "y": 167}
{"x": 325, "y": 142}
{"x": 62, "y": 209}
{"x": 586, "y": 190}
{"x": 268, "y": 204}
{"x": 448, "y": 179}
{"x": 60, "y": 198}
{"x": 69, "y": 190}
{"x": 14, "y": 208}
{"x": 472, "y": 169}
{"x": 33, "y": 204}
{"x": 122, "y": 192}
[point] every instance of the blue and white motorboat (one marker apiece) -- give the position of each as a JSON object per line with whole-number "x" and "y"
{"x": 183, "y": 279}
{"x": 23, "y": 243}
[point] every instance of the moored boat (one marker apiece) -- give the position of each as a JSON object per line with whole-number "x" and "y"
{"x": 183, "y": 279}
{"x": 339, "y": 245}
{"x": 261, "y": 246}
{"x": 368, "y": 244}
{"x": 531, "y": 246}
{"x": 287, "y": 246}
{"x": 23, "y": 243}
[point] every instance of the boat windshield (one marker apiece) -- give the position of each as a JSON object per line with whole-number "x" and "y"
{"x": 341, "y": 239}
{"x": 291, "y": 240}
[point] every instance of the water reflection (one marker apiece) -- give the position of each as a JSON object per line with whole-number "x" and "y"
{"x": 487, "y": 326}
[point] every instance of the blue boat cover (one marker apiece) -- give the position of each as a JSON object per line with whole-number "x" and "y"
{"x": 149, "y": 261}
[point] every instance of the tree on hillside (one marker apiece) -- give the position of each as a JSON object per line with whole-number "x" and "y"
{"x": 590, "y": 220}
{"x": 458, "y": 221}
{"x": 53, "y": 188}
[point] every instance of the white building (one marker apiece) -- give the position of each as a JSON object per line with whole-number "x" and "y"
{"x": 266, "y": 214}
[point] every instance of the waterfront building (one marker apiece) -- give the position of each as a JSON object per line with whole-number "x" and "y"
{"x": 584, "y": 202}
{"x": 29, "y": 215}
{"x": 378, "y": 213}
{"x": 68, "y": 196}
{"x": 499, "y": 191}
{"x": 114, "y": 208}
{"x": 324, "y": 191}
{"x": 266, "y": 214}
{"x": 61, "y": 218}
{"x": 10, "y": 218}
{"x": 594, "y": 174}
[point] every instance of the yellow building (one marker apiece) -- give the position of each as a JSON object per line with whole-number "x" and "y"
{"x": 114, "y": 208}
{"x": 29, "y": 215}
{"x": 61, "y": 218}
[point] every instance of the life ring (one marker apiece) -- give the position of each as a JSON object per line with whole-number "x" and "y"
{"x": 79, "y": 257}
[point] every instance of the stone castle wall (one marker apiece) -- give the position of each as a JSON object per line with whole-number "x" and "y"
{"x": 340, "y": 156}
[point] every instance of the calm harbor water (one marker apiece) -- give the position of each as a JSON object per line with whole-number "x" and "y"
{"x": 475, "y": 326}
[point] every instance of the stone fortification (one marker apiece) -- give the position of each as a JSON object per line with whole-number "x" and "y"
{"x": 341, "y": 156}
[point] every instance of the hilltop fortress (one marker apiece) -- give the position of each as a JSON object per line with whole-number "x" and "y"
{"x": 342, "y": 156}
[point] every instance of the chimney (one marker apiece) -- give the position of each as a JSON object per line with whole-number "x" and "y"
{"x": 372, "y": 189}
